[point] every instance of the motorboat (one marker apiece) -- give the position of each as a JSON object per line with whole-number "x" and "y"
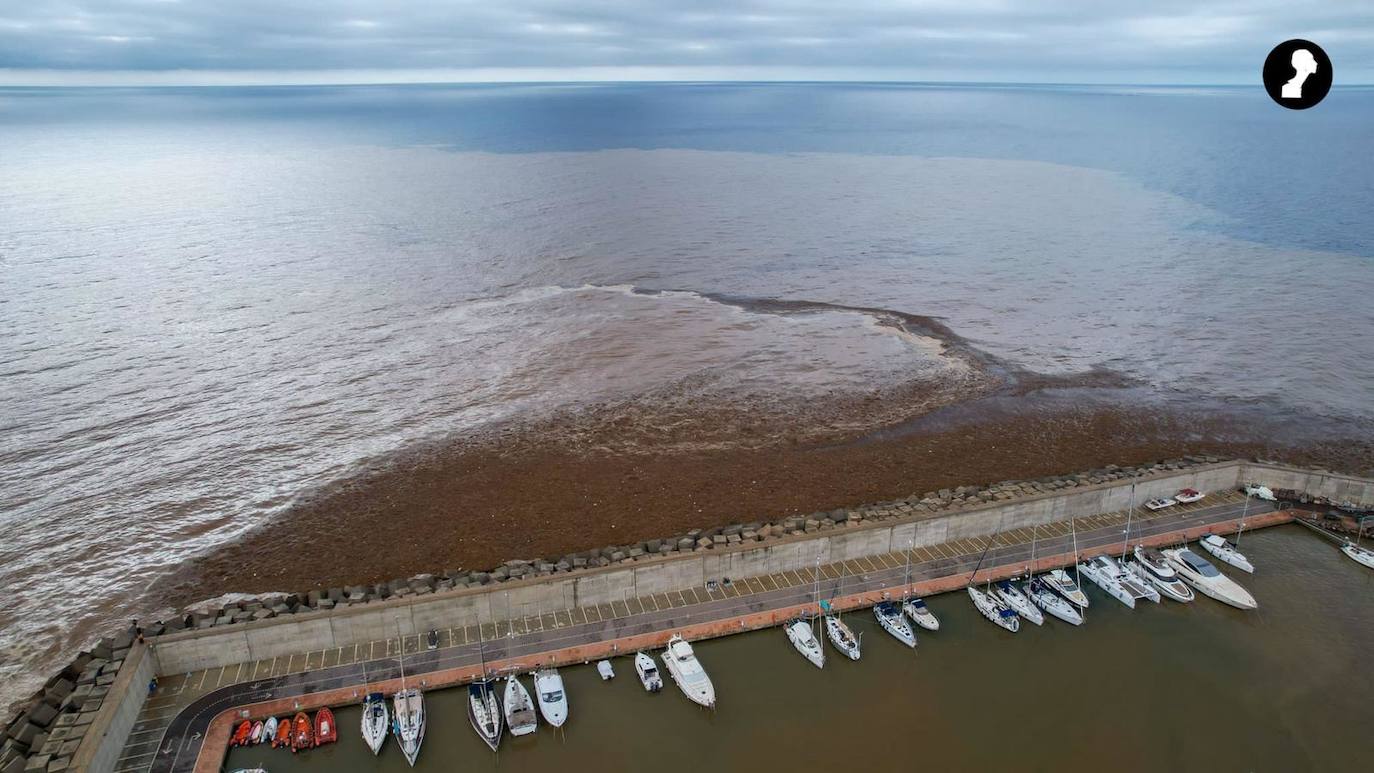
{"x": 326, "y": 729}
{"x": 521, "y": 717}
{"x": 249, "y": 770}
{"x": 920, "y": 614}
{"x": 1103, "y": 573}
{"x": 1014, "y": 598}
{"x": 484, "y": 711}
{"x": 994, "y": 610}
{"x": 890, "y": 618}
{"x": 255, "y": 734}
{"x": 1052, "y": 602}
{"x": 1061, "y": 582}
{"x": 1359, "y": 554}
{"x": 686, "y": 671}
{"x": 302, "y": 732}
{"x": 375, "y": 721}
{"x": 1225, "y": 551}
{"x": 1159, "y": 503}
{"x": 603, "y": 667}
{"x": 842, "y": 637}
{"x": 408, "y": 722}
{"x": 1256, "y": 490}
{"x": 1199, "y": 573}
{"x": 1151, "y": 566}
{"x": 1188, "y": 496}
{"x": 803, "y": 637}
{"x": 269, "y": 732}
{"x": 648, "y": 672}
{"x": 553, "y": 699}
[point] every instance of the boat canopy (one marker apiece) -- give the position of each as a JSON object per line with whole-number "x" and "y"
{"x": 1199, "y": 564}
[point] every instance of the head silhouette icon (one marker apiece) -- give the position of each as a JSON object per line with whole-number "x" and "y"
{"x": 1304, "y": 65}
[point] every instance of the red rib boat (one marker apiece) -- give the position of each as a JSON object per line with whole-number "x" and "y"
{"x": 240, "y": 737}
{"x": 302, "y": 732}
{"x": 283, "y": 738}
{"x": 326, "y": 731}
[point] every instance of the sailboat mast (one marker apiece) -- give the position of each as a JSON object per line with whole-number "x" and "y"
{"x": 1126, "y": 543}
{"x": 401, "y": 655}
{"x": 906, "y": 576}
{"x": 1243, "y": 511}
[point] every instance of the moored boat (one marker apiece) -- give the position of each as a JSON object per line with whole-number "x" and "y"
{"x": 553, "y": 699}
{"x": 890, "y": 618}
{"x": 255, "y": 735}
{"x": 1138, "y": 588}
{"x": 920, "y": 614}
{"x": 842, "y": 637}
{"x": 603, "y": 667}
{"x": 1052, "y": 602}
{"x": 521, "y": 716}
{"x": 326, "y": 731}
{"x": 241, "y": 734}
{"x": 302, "y": 732}
{"x": 1360, "y": 555}
{"x": 408, "y": 722}
{"x": 282, "y": 739}
{"x": 374, "y": 721}
{"x": 1151, "y": 566}
{"x": 683, "y": 666}
{"x": 1062, "y": 583}
{"x": 1225, "y": 551}
{"x": 269, "y": 732}
{"x": 1103, "y": 572}
{"x": 1199, "y": 573}
{"x": 1014, "y": 598}
{"x": 648, "y": 672}
{"x": 994, "y": 610}
{"x": 803, "y": 638}
{"x": 484, "y": 711}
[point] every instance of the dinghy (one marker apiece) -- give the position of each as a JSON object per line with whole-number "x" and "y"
{"x": 1014, "y": 598}
{"x": 1051, "y": 602}
{"x": 994, "y": 610}
{"x": 842, "y": 637}
{"x": 484, "y": 711}
{"x": 326, "y": 731}
{"x": 255, "y": 735}
{"x": 374, "y": 721}
{"x": 648, "y": 672}
{"x": 1225, "y": 551}
{"x": 553, "y": 700}
{"x": 1060, "y": 582}
{"x": 408, "y": 721}
{"x": 1199, "y": 573}
{"x": 269, "y": 732}
{"x": 1103, "y": 572}
{"x": 1360, "y": 555}
{"x": 241, "y": 734}
{"x": 302, "y": 732}
{"x": 686, "y": 671}
{"x": 282, "y": 740}
{"x": 803, "y": 638}
{"x": 920, "y": 614}
{"x": 1151, "y": 566}
{"x": 521, "y": 717}
{"x": 890, "y": 618}
{"x": 603, "y": 667}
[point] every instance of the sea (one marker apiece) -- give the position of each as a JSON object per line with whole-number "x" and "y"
{"x": 215, "y": 301}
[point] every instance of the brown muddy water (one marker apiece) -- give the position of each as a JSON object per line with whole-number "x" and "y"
{"x": 1186, "y": 687}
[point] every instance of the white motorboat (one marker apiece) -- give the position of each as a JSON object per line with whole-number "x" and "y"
{"x": 686, "y": 671}
{"x": 890, "y": 618}
{"x": 603, "y": 667}
{"x": 648, "y": 672}
{"x": 994, "y": 610}
{"x": 1103, "y": 573}
{"x": 920, "y": 614}
{"x": 1159, "y": 503}
{"x": 269, "y": 730}
{"x": 1188, "y": 496}
{"x": 1199, "y": 573}
{"x": 1256, "y": 490}
{"x": 375, "y": 721}
{"x": 1225, "y": 551}
{"x": 1052, "y": 602}
{"x": 521, "y": 717}
{"x": 553, "y": 699}
{"x": 842, "y": 637}
{"x": 484, "y": 711}
{"x": 408, "y": 722}
{"x": 1359, "y": 554}
{"x": 1063, "y": 583}
{"x": 1014, "y": 598}
{"x": 803, "y": 637}
{"x": 1151, "y": 566}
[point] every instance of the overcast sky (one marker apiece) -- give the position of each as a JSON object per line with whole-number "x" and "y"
{"x": 294, "y": 41}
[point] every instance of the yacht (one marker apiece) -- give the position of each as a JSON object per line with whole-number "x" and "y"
{"x": 1225, "y": 551}
{"x": 920, "y": 614}
{"x": 375, "y": 721}
{"x": 1197, "y": 572}
{"x": 1051, "y": 602}
{"x": 648, "y": 672}
{"x": 1103, "y": 572}
{"x": 890, "y": 618}
{"x": 408, "y": 722}
{"x": 1061, "y": 581}
{"x": 994, "y": 610}
{"x": 521, "y": 717}
{"x": 1014, "y": 598}
{"x": 686, "y": 670}
{"x": 1151, "y": 566}
{"x": 842, "y": 637}
{"x": 1141, "y": 589}
{"x": 484, "y": 711}
{"x": 553, "y": 700}
{"x": 1358, "y": 554}
{"x": 803, "y": 637}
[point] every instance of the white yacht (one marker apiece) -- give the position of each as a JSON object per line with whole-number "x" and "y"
{"x": 1014, "y": 598}
{"x": 1061, "y": 581}
{"x": 842, "y": 637}
{"x": 920, "y": 614}
{"x": 1103, "y": 572}
{"x": 648, "y": 672}
{"x": 484, "y": 711}
{"x": 521, "y": 717}
{"x": 1051, "y": 602}
{"x": 803, "y": 637}
{"x": 686, "y": 670}
{"x": 375, "y": 721}
{"x": 1225, "y": 551}
{"x": 1358, "y": 554}
{"x": 408, "y": 722}
{"x": 1151, "y": 566}
{"x": 553, "y": 700}
{"x": 1134, "y": 585}
{"x": 994, "y": 610}
{"x": 890, "y": 618}
{"x": 1197, "y": 572}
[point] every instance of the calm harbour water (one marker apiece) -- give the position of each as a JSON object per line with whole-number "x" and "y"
{"x": 1184, "y": 687}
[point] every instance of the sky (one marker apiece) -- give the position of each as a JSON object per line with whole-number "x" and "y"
{"x": 135, "y": 42}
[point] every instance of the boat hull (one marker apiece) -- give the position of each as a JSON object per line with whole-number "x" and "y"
{"x": 699, "y": 689}
{"x": 842, "y": 637}
{"x": 890, "y": 618}
{"x": 1359, "y": 555}
{"x": 1220, "y": 587}
{"x": 1227, "y": 555}
{"x": 374, "y": 722}
{"x": 1053, "y": 604}
{"x": 991, "y": 609}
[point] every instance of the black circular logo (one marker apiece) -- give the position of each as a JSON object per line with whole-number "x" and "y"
{"x": 1297, "y": 74}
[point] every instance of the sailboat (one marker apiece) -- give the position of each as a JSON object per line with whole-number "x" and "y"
{"x": 839, "y": 633}
{"x": 1014, "y": 598}
{"x": 889, "y": 616}
{"x": 988, "y": 605}
{"x": 375, "y": 717}
{"x": 1104, "y": 572}
{"x": 521, "y": 717}
{"x": 801, "y": 633}
{"x": 484, "y": 710}
{"x": 1043, "y": 596}
{"x": 1352, "y": 550}
{"x": 1135, "y": 586}
{"x": 915, "y": 608}
{"x": 408, "y": 712}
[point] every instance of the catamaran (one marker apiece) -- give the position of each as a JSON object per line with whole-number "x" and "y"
{"x": 1225, "y": 551}
{"x": 890, "y": 618}
{"x": 1049, "y": 601}
{"x": 521, "y": 717}
{"x": 1014, "y": 598}
{"x": 484, "y": 711}
{"x": 1060, "y": 581}
{"x": 408, "y": 712}
{"x": 1138, "y": 588}
{"x": 1199, "y": 573}
{"x": 553, "y": 700}
{"x": 686, "y": 671}
{"x": 803, "y": 637}
{"x": 1151, "y": 566}
{"x": 1103, "y": 571}
{"x": 648, "y": 672}
{"x": 994, "y": 610}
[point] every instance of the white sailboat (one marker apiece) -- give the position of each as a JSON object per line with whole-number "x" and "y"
{"x": 1360, "y": 555}
{"x": 803, "y": 638}
{"x": 1151, "y": 566}
{"x": 1051, "y": 602}
{"x": 1199, "y": 573}
{"x": 484, "y": 712}
{"x": 1059, "y": 581}
{"x": 648, "y": 672}
{"x": 553, "y": 699}
{"x": 842, "y": 637}
{"x": 408, "y": 712}
{"x": 915, "y": 608}
{"x": 1135, "y": 586}
{"x": 1225, "y": 551}
{"x": 1103, "y": 572}
{"x": 994, "y": 610}
{"x": 683, "y": 666}
{"x": 375, "y": 721}
{"x": 1013, "y": 597}
{"x": 521, "y": 717}
{"x": 889, "y": 616}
